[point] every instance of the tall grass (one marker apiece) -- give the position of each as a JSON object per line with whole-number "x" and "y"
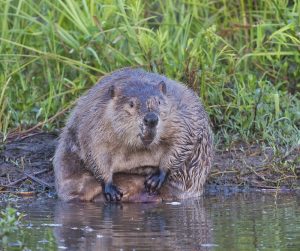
{"x": 241, "y": 57}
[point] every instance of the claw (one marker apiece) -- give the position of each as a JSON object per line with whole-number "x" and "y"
{"x": 155, "y": 181}
{"x": 112, "y": 193}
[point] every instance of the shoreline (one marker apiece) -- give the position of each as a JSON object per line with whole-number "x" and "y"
{"x": 26, "y": 167}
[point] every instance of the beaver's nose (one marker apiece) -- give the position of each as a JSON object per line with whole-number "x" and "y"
{"x": 151, "y": 119}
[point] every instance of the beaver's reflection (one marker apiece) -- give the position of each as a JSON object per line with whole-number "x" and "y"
{"x": 90, "y": 226}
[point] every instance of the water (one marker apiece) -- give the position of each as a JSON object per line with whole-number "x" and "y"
{"x": 237, "y": 222}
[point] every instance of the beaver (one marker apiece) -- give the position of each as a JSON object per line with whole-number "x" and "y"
{"x": 138, "y": 129}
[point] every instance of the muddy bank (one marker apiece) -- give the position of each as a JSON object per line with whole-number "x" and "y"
{"x": 26, "y": 167}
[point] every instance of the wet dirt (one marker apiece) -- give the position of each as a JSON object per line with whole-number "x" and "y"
{"x": 26, "y": 167}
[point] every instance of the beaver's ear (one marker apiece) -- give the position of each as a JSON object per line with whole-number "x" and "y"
{"x": 113, "y": 91}
{"x": 162, "y": 87}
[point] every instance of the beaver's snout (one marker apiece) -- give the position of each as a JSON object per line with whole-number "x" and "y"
{"x": 149, "y": 128}
{"x": 151, "y": 119}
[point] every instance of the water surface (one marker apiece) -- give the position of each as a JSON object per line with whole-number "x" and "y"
{"x": 249, "y": 221}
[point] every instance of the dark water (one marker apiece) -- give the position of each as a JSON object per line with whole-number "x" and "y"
{"x": 237, "y": 222}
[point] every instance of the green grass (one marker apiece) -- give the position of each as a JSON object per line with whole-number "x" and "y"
{"x": 241, "y": 57}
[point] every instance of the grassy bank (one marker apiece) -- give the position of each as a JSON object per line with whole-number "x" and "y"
{"x": 241, "y": 57}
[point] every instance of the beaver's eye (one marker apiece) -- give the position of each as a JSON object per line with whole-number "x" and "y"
{"x": 159, "y": 102}
{"x": 131, "y": 104}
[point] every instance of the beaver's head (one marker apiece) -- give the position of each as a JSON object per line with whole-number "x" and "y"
{"x": 138, "y": 112}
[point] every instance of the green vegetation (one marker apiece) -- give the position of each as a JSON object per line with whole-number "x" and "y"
{"x": 242, "y": 57}
{"x": 9, "y": 223}
{"x": 16, "y": 236}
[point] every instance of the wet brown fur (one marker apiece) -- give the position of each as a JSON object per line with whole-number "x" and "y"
{"x": 100, "y": 140}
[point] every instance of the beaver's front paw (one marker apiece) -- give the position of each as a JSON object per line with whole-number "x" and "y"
{"x": 112, "y": 193}
{"x": 155, "y": 181}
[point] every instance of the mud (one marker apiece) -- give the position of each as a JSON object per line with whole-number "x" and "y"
{"x": 26, "y": 164}
{"x": 26, "y": 167}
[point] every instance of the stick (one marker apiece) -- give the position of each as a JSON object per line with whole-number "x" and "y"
{"x": 37, "y": 180}
{"x": 25, "y": 177}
